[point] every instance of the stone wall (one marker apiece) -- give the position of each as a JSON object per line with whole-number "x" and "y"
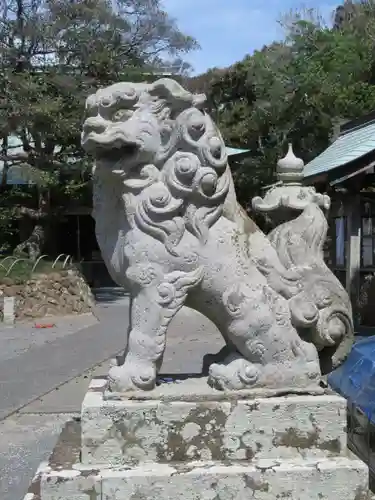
{"x": 58, "y": 293}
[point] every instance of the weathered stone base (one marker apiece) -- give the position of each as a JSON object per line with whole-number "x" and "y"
{"x": 297, "y": 449}
{"x": 342, "y": 478}
{"x": 188, "y": 421}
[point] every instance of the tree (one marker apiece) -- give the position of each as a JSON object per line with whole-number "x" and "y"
{"x": 248, "y": 100}
{"x": 296, "y": 91}
{"x": 53, "y": 54}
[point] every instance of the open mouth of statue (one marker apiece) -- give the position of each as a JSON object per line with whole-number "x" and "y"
{"x": 115, "y": 153}
{"x": 109, "y": 148}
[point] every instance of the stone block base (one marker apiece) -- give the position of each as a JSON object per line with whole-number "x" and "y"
{"x": 187, "y": 421}
{"x": 342, "y": 478}
{"x": 302, "y": 438}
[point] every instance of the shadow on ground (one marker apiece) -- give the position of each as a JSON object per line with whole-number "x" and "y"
{"x": 108, "y": 295}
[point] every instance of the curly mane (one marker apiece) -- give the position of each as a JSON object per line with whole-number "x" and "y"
{"x": 184, "y": 186}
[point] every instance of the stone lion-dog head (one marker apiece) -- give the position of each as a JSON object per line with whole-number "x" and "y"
{"x": 140, "y": 123}
{"x": 159, "y": 140}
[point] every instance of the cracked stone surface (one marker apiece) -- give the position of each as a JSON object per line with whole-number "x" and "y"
{"x": 296, "y": 480}
{"x": 63, "y": 478}
{"x": 338, "y": 474}
{"x": 193, "y": 427}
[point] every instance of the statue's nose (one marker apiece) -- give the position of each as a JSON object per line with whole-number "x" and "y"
{"x": 95, "y": 124}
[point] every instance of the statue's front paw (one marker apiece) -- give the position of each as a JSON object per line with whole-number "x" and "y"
{"x": 132, "y": 377}
{"x": 120, "y": 380}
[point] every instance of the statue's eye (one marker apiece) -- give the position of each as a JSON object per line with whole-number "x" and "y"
{"x": 122, "y": 115}
{"x": 106, "y": 101}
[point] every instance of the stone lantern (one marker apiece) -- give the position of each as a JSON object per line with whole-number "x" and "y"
{"x": 286, "y": 199}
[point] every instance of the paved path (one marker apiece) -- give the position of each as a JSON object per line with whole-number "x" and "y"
{"x": 20, "y": 338}
{"x": 39, "y": 367}
{"x": 45, "y": 375}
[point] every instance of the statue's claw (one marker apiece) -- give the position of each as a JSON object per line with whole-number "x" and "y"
{"x": 132, "y": 377}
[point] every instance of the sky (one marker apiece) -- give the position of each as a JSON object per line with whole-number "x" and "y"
{"x": 227, "y": 30}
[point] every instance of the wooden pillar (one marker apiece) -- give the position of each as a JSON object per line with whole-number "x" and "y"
{"x": 353, "y": 258}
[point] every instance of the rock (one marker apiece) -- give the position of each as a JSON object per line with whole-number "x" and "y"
{"x": 7, "y": 281}
{"x": 40, "y": 312}
{"x": 27, "y": 312}
{"x": 22, "y": 292}
{"x": 66, "y": 282}
{"x": 50, "y": 311}
{"x": 54, "y": 277}
{"x": 77, "y": 307}
{"x": 41, "y": 276}
{"x": 52, "y": 300}
{"x": 70, "y": 300}
{"x": 58, "y": 293}
{"x": 11, "y": 291}
{"x": 37, "y": 313}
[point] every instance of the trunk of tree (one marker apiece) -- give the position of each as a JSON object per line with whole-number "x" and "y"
{"x": 32, "y": 247}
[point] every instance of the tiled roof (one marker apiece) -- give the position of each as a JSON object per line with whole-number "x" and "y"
{"x": 347, "y": 147}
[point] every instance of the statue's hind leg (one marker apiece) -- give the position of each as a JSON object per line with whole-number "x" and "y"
{"x": 153, "y": 307}
{"x": 300, "y": 369}
{"x": 269, "y": 352}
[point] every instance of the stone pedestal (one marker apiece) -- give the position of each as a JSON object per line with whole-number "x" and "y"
{"x": 185, "y": 440}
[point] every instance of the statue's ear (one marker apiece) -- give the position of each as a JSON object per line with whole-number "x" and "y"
{"x": 175, "y": 94}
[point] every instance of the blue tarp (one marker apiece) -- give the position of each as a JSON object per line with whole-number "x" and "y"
{"x": 355, "y": 379}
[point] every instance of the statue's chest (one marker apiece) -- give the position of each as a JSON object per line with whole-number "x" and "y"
{"x": 136, "y": 244}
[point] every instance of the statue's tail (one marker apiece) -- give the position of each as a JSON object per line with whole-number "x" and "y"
{"x": 299, "y": 244}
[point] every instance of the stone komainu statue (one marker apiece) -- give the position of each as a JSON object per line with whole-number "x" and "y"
{"x": 170, "y": 229}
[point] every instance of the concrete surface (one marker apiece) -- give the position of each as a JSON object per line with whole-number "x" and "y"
{"x": 191, "y": 336}
{"x": 16, "y": 340}
{"x": 25, "y": 440}
{"x": 46, "y": 358}
{"x": 68, "y": 397}
{"x": 44, "y": 375}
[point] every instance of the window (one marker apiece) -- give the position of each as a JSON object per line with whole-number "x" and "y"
{"x": 340, "y": 242}
{"x": 367, "y": 243}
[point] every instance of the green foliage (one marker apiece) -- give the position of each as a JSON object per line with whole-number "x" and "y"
{"x": 10, "y": 200}
{"x": 53, "y": 54}
{"x": 23, "y": 270}
{"x": 295, "y": 91}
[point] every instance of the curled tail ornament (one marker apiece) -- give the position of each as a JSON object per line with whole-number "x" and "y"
{"x": 322, "y": 305}
{"x": 319, "y": 305}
